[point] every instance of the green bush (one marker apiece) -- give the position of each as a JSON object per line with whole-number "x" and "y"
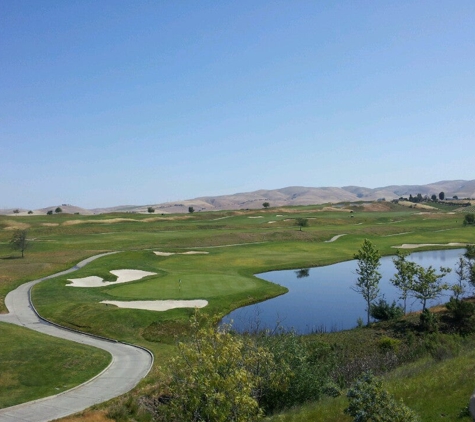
{"x": 368, "y": 402}
{"x": 428, "y": 321}
{"x": 383, "y": 311}
{"x": 309, "y": 363}
{"x": 460, "y": 310}
{"x": 386, "y": 344}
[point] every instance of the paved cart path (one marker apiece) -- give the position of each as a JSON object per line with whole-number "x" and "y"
{"x": 129, "y": 363}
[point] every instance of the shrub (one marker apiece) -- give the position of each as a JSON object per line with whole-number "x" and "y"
{"x": 220, "y": 376}
{"x": 383, "y": 311}
{"x": 309, "y": 363}
{"x": 428, "y": 321}
{"x": 368, "y": 402}
{"x": 460, "y": 310}
{"x": 387, "y": 344}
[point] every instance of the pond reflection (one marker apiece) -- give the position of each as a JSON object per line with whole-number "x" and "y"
{"x": 321, "y": 298}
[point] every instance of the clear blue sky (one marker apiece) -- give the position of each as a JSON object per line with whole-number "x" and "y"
{"x": 116, "y": 102}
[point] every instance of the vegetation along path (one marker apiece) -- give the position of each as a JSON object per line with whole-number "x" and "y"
{"x": 129, "y": 363}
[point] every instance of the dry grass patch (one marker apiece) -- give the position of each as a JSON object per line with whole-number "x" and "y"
{"x": 15, "y": 225}
{"x": 106, "y": 221}
{"x": 88, "y": 416}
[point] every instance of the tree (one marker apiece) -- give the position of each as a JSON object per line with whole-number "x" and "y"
{"x": 218, "y": 376}
{"x": 459, "y": 288}
{"x": 441, "y": 196}
{"x": 469, "y": 257}
{"x": 302, "y": 222}
{"x": 266, "y": 205}
{"x": 367, "y": 283}
{"x": 469, "y": 219}
{"x": 30, "y": 212}
{"x": 191, "y": 210}
{"x": 50, "y": 212}
{"x": 427, "y": 284}
{"x": 58, "y": 210}
{"x": 434, "y": 197}
{"x": 19, "y": 241}
{"x": 150, "y": 209}
{"x": 16, "y": 211}
{"x": 404, "y": 277}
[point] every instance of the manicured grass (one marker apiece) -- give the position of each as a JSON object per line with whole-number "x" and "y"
{"x": 238, "y": 247}
{"x": 34, "y": 365}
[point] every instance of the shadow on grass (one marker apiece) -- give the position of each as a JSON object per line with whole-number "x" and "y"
{"x": 11, "y": 257}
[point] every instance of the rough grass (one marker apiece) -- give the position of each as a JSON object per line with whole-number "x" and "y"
{"x": 34, "y": 365}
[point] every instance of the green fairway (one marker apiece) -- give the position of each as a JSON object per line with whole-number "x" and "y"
{"x": 239, "y": 244}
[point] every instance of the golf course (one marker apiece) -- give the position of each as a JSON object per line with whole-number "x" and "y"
{"x": 166, "y": 266}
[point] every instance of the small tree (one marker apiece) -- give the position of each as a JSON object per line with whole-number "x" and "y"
{"x": 434, "y": 197}
{"x": 469, "y": 257}
{"x": 16, "y": 211}
{"x": 367, "y": 283}
{"x": 191, "y": 210}
{"x": 19, "y": 242}
{"x": 58, "y": 210}
{"x": 469, "y": 219}
{"x": 459, "y": 288}
{"x": 441, "y": 196}
{"x": 50, "y": 212}
{"x": 266, "y": 205}
{"x": 427, "y": 284}
{"x": 150, "y": 209}
{"x": 404, "y": 277}
{"x": 302, "y": 222}
{"x": 30, "y": 212}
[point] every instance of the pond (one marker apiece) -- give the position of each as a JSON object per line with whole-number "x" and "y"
{"x": 322, "y": 299}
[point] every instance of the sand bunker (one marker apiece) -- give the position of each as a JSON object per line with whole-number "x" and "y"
{"x": 270, "y": 222}
{"x": 334, "y": 238}
{"x": 158, "y": 253}
{"x": 420, "y": 245}
{"x": 158, "y": 305}
{"x": 260, "y": 216}
{"x": 123, "y": 276}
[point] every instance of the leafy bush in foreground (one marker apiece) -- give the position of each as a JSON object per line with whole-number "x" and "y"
{"x": 368, "y": 402}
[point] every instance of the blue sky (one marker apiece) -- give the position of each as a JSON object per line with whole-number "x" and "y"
{"x": 107, "y": 103}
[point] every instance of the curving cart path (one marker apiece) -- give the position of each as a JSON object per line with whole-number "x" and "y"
{"x": 129, "y": 363}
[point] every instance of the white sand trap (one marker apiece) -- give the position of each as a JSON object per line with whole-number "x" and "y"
{"x": 158, "y": 305}
{"x": 334, "y": 238}
{"x": 123, "y": 276}
{"x": 279, "y": 215}
{"x": 158, "y": 253}
{"x": 420, "y": 245}
{"x": 270, "y": 222}
{"x": 260, "y": 216}
{"x": 163, "y": 253}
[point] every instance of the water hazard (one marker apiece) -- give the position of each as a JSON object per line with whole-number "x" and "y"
{"x": 321, "y": 298}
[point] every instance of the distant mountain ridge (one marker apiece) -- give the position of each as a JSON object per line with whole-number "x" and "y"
{"x": 292, "y": 195}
